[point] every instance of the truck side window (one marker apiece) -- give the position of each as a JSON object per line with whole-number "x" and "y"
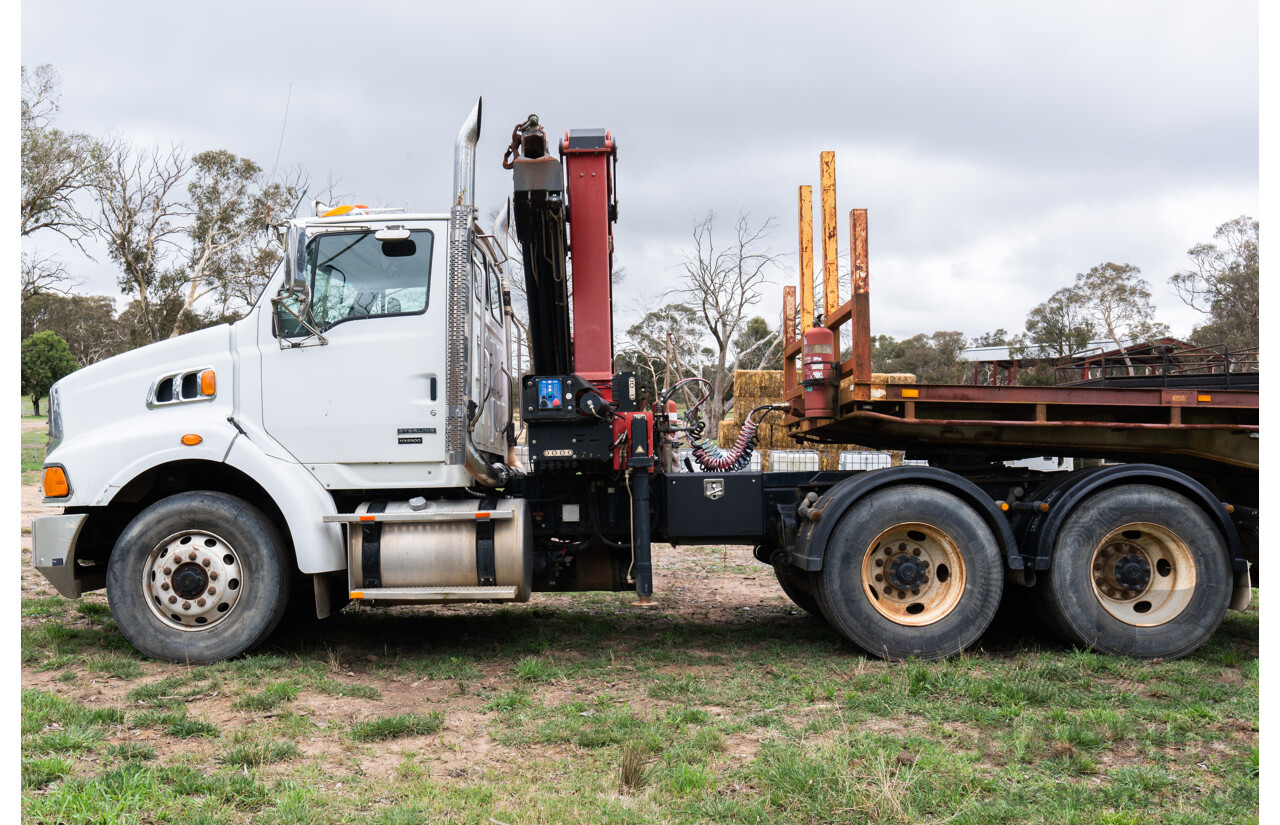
{"x": 495, "y": 292}
{"x": 354, "y": 275}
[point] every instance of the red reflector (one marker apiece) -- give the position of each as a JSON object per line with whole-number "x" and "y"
{"x": 481, "y": 514}
{"x": 368, "y": 518}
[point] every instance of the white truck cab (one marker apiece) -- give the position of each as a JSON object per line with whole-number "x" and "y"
{"x": 202, "y": 475}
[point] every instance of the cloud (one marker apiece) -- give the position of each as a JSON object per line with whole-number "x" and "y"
{"x": 1000, "y": 147}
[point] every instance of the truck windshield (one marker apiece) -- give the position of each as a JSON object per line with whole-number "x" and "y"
{"x": 355, "y": 275}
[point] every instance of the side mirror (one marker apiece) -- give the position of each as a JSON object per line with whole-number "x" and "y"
{"x": 295, "y": 265}
{"x": 295, "y": 285}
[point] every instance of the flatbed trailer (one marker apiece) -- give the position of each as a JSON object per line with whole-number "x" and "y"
{"x": 1138, "y": 550}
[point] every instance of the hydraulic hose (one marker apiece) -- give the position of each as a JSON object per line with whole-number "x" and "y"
{"x": 738, "y": 457}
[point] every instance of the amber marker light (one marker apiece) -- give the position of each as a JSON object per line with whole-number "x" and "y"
{"x": 191, "y": 439}
{"x": 208, "y": 383}
{"x": 1004, "y": 506}
{"x": 55, "y": 482}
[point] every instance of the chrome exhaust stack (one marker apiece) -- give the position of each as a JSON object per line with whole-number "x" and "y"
{"x": 459, "y": 448}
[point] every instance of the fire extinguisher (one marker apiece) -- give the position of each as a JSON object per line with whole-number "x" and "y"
{"x": 819, "y": 373}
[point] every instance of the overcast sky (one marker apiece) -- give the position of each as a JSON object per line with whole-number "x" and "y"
{"x": 1000, "y": 147}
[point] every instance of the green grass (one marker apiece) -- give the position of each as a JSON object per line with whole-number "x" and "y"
{"x": 269, "y": 698}
{"x": 257, "y": 754}
{"x": 587, "y": 711}
{"x": 395, "y": 727}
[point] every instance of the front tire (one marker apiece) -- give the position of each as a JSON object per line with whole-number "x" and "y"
{"x": 1138, "y": 571}
{"x": 198, "y": 577}
{"x": 911, "y": 571}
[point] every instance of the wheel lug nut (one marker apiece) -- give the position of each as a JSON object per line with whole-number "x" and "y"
{"x": 212, "y": 591}
{"x": 204, "y": 562}
{"x": 191, "y": 556}
{"x": 173, "y": 600}
{"x": 915, "y": 551}
{"x": 186, "y": 605}
{"x": 200, "y": 602}
{"x": 213, "y": 574}
{"x": 168, "y": 571}
{"x": 164, "y": 585}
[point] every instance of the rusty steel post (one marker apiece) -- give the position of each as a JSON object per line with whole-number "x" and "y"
{"x": 830, "y": 244}
{"x": 861, "y": 295}
{"x": 788, "y": 315}
{"x": 788, "y": 338}
{"x": 806, "y": 258}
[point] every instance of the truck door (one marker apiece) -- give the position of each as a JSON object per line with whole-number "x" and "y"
{"x": 366, "y": 407}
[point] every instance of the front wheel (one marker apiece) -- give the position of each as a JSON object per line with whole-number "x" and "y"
{"x": 1138, "y": 571}
{"x": 911, "y": 571}
{"x": 198, "y": 577}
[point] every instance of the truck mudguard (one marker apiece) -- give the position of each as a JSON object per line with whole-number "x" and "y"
{"x": 1037, "y": 531}
{"x": 319, "y": 547}
{"x": 811, "y": 541}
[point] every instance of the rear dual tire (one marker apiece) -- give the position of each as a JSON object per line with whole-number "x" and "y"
{"x": 911, "y": 571}
{"x": 1138, "y": 571}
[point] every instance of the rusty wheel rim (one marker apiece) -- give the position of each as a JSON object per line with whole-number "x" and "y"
{"x": 1143, "y": 574}
{"x": 913, "y": 574}
{"x": 193, "y": 580}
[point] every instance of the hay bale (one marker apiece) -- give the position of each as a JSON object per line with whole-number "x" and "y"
{"x": 757, "y": 383}
{"x": 753, "y": 388}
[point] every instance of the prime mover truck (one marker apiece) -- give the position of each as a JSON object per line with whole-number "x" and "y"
{"x": 354, "y": 436}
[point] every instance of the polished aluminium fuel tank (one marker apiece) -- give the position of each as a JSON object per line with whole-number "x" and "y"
{"x": 433, "y": 552}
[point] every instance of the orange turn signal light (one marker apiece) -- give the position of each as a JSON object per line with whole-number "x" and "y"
{"x": 55, "y": 482}
{"x": 208, "y": 383}
{"x": 1004, "y": 506}
{"x": 191, "y": 439}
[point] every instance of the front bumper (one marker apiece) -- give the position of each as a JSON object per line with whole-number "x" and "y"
{"x": 53, "y": 550}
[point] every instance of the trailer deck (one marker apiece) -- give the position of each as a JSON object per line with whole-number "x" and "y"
{"x": 1203, "y": 430}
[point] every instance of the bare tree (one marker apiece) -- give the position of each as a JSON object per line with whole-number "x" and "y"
{"x": 45, "y": 274}
{"x": 722, "y": 285}
{"x": 140, "y": 219}
{"x": 57, "y": 166}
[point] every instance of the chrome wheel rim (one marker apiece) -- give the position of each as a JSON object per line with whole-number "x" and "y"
{"x": 193, "y": 580}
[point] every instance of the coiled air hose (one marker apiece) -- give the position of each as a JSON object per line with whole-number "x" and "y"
{"x": 738, "y": 457}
